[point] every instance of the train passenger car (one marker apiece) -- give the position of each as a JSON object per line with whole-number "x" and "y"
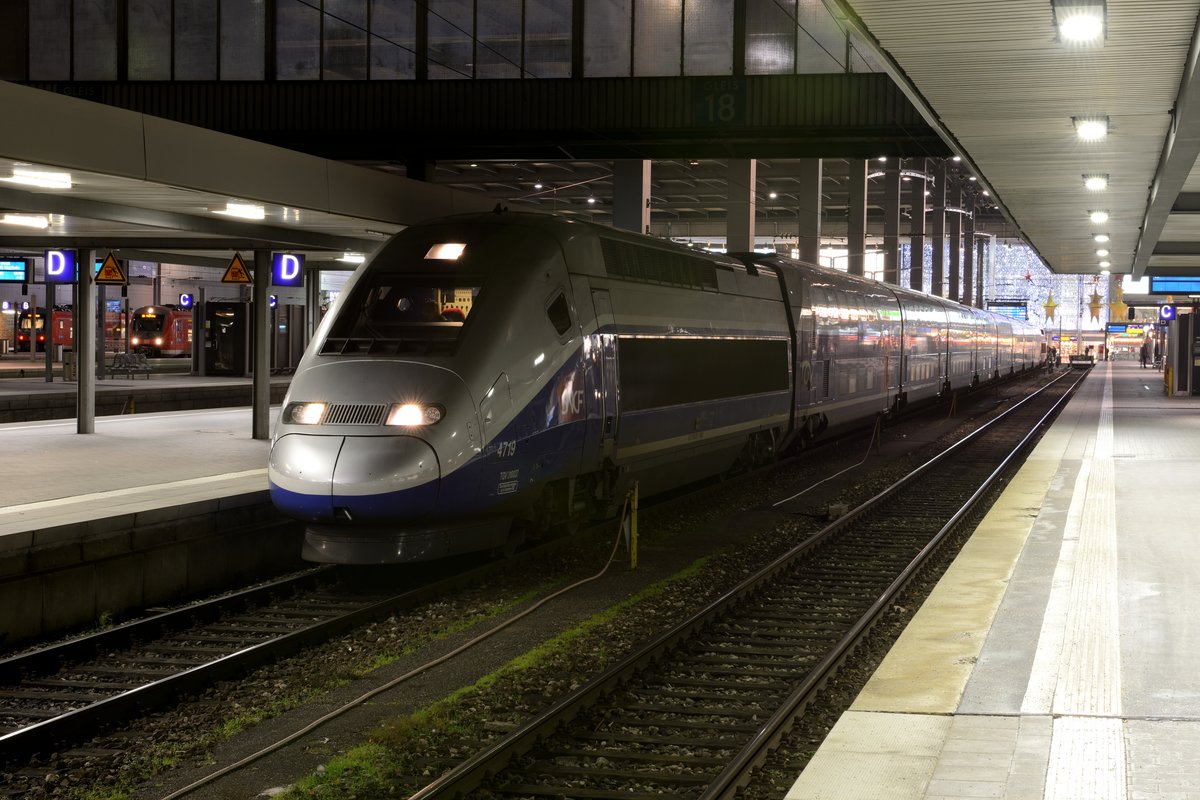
{"x": 62, "y": 328}
{"x": 161, "y": 331}
{"x": 487, "y": 375}
{"x": 31, "y": 330}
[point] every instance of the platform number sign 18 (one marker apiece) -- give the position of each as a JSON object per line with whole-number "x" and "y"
{"x": 720, "y": 101}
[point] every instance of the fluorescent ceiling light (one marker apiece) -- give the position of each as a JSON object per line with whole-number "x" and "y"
{"x": 1099, "y": 216}
{"x": 1105, "y": 264}
{"x": 1104, "y": 272}
{"x": 242, "y": 211}
{"x": 353, "y": 258}
{"x": 773, "y": 195}
{"x": 1095, "y": 182}
{"x": 28, "y": 220}
{"x": 1102, "y": 252}
{"x": 1100, "y": 238}
{"x": 1079, "y": 21}
{"x": 39, "y": 178}
{"x": 1091, "y": 129}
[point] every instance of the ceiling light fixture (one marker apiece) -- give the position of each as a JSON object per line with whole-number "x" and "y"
{"x": 537, "y": 186}
{"x": 27, "y": 220}
{"x": 39, "y": 178}
{"x": 1099, "y": 216}
{"x": 1095, "y": 182}
{"x": 956, "y": 158}
{"x": 773, "y": 195}
{"x": 352, "y": 258}
{"x": 1102, "y": 252}
{"x": 1090, "y": 129}
{"x": 591, "y": 201}
{"x": 242, "y": 211}
{"x": 1100, "y": 238}
{"x": 1079, "y": 21}
{"x": 1105, "y": 264}
{"x": 1104, "y": 272}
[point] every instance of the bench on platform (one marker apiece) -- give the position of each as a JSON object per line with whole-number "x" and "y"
{"x": 130, "y": 364}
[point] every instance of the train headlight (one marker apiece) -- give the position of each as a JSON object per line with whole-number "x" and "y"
{"x": 158, "y": 341}
{"x": 412, "y": 414}
{"x": 135, "y": 341}
{"x": 304, "y": 413}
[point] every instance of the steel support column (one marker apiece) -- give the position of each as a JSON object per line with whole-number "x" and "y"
{"x": 260, "y": 420}
{"x": 891, "y": 222}
{"x": 968, "y": 293}
{"x": 631, "y": 194}
{"x": 937, "y": 281}
{"x": 954, "y": 239}
{"x": 856, "y": 217}
{"x": 808, "y": 210}
{"x": 85, "y": 342}
{"x": 743, "y": 186}
{"x": 916, "y": 210}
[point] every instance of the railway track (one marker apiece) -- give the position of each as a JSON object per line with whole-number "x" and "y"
{"x": 53, "y": 697}
{"x": 693, "y": 712}
{"x": 61, "y": 695}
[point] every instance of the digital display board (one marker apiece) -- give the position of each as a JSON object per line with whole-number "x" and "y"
{"x": 1175, "y": 284}
{"x": 1017, "y": 309}
{"x": 14, "y": 270}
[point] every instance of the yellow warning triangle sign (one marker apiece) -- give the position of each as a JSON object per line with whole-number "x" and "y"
{"x": 111, "y": 272}
{"x": 237, "y": 272}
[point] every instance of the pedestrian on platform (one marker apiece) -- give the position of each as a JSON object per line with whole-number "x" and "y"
{"x": 1145, "y": 355}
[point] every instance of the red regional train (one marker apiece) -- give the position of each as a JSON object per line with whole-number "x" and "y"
{"x": 161, "y": 331}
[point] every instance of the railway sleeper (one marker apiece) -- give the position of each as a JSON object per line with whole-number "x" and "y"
{"x": 662, "y": 741}
{"x": 693, "y": 683}
{"x": 524, "y": 789}
{"x": 593, "y": 774}
{"x": 618, "y": 756}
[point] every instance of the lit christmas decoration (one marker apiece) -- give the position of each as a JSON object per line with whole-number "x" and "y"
{"x": 1050, "y": 305}
{"x": 1095, "y": 304}
{"x": 1117, "y": 308}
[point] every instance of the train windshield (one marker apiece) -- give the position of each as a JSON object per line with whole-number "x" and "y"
{"x": 148, "y": 323}
{"x": 404, "y": 313}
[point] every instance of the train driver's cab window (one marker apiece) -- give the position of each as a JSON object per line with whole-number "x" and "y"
{"x": 408, "y": 310}
{"x": 559, "y": 313}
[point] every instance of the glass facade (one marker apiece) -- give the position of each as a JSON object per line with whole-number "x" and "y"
{"x": 307, "y": 40}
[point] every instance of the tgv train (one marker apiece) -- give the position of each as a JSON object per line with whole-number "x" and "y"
{"x": 487, "y": 375}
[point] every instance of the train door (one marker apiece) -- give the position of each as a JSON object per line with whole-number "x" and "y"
{"x": 606, "y": 339}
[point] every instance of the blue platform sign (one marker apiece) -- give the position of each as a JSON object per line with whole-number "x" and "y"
{"x": 1166, "y": 313}
{"x": 60, "y": 266}
{"x": 186, "y": 300}
{"x": 287, "y": 269}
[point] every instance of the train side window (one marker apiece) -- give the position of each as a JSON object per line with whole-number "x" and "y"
{"x": 559, "y": 313}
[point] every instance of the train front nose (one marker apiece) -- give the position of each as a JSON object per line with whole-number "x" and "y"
{"x": 353, "y": 478}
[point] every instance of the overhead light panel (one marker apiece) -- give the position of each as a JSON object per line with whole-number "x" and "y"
{"x": 1090, "y": 129}
{"x": 1095, "y": 183}
{"x": 1105, "y": 264}
{"x": 1102, "y": 252}
{"x": 1080, "y": 21}
{"x": 39, "y": 178}
{"x": 1099, "y": 216}
{"x": 1100, "y": 238}
{"x": 242, "y": 211}
{"x": 1104, "y": 272}
{"x": 27, "y": 220}
{"x": 352, "y": 258}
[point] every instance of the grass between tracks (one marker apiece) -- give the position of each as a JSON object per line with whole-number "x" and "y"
{"x": 407, "y": 752}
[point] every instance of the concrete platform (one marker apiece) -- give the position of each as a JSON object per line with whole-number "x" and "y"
{"x": 151, "y": 508}
{"x": 1056, "y": 658}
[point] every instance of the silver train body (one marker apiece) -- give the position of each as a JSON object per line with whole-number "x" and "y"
{"x": 487, "y": 374}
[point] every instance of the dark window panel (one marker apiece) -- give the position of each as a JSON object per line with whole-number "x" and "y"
{"x": 297, "y": 41}
{"x": 243, "y": 45}
{"x": 393, "y": 39}
{"x": 195, "y": 40}
{"x": 606, "y": 37}
{"x": 451, "y": 33}
{"x": 548, "y": 38}
{"x": 150, "y": 40}
{"x": 708, "y": 37}
{"x": 498, "y": 51}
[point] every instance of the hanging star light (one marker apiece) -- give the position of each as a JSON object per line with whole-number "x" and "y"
{"x": 1050, "y": 305}
{"x": 1095, "y": 303}
{"x": 1117, "y": 309}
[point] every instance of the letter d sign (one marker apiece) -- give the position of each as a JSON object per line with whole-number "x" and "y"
{"x": 287, "y": 269}
{"x": 60, "y": 266}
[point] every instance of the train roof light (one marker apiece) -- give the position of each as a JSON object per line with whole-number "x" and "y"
{"x": 353, "y": 258}
{"x": 446, "y": 251}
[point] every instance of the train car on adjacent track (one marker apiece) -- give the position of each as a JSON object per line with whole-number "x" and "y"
{"x": 486, "y": 376}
